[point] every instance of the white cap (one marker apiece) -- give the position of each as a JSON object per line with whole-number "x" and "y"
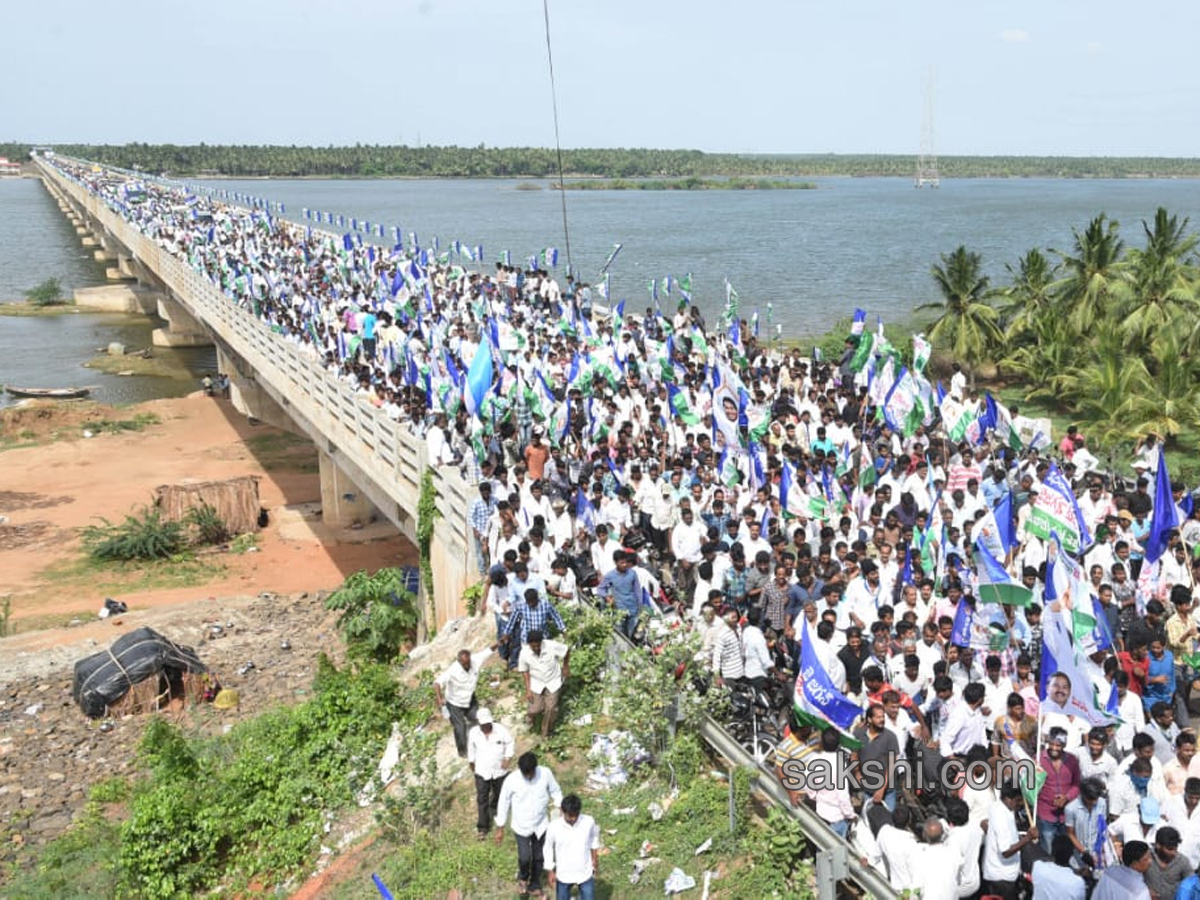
{"x": 484, "y": 716}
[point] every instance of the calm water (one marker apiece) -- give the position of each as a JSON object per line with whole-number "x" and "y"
{"x": 38, "y": 242}
{"x": 814, "y": 254}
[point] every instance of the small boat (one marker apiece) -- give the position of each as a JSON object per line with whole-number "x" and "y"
{"x": 49, "y": 393}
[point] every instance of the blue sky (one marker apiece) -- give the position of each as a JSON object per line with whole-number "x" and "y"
{"x": 1028, "y": 78}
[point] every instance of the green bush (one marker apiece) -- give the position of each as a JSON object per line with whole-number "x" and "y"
{"x": 48, "y": 293}
{"x": 215, "y": 812}
{"x": 378, "y": 615}
{"x": 210, "y": 528}
{"x": 139, "y": 537}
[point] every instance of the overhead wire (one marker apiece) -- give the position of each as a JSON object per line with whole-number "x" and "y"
{"x": 562, "y": 189}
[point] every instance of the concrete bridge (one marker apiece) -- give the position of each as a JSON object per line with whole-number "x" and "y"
{"x": 369, "y": 464}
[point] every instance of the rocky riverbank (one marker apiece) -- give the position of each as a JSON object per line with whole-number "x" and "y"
{"x": 51, "y": 754}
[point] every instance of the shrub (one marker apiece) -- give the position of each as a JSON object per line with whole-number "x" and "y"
{"x": 48, "y": 293}
{"x": 210, "y": 527}
{"x": 139, "y": 537}
{"x": 378, "y": 615}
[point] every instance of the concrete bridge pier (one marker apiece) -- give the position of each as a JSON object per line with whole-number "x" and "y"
{"x": 343, "y": 505}
{"x": 183, "y": 329}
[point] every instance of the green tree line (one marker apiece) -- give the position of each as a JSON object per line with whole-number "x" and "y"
{"x": 1108, "y": 333}
{"x": 372, "y": 161}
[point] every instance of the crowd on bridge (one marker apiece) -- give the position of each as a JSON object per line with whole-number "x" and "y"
{"x": 949, "y": 584}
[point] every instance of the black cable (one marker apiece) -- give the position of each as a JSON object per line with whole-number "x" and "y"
{"x": 562, "y": 189}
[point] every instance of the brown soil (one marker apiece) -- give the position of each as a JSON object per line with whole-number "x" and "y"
{"x": 49, "y": 491}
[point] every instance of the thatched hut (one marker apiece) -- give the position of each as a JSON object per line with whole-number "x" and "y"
{"x": 235, "y": 501}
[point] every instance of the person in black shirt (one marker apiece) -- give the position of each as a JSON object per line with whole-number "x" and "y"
{"x": 852, "y": 656}
{"x": 1148, "y": 629}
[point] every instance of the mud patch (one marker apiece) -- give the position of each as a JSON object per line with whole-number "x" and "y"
{"x": 13, "y": 500}
{"x": 15, "y": 537}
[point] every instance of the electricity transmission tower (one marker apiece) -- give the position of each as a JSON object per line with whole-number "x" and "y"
{"x": 927, "y": 172}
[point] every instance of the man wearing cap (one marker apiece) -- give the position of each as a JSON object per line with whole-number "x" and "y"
{"x": 545, "y": 665}
{"x": 489, "y": 750}
{"x": 1140, "y": 824}
{"x": 455, "y": 690}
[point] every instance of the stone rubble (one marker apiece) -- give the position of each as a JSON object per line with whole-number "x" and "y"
{"x": 50, "y": 759}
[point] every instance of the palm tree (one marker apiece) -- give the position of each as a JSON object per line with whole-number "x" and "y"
{"x": 1100, "y": 386}
{"x": 1163, "y": 284}
{"x": 1167, "y": 403}
{"x": 1095, "y": 279}
{"x": 967, "y": 324}
{"x": 1029, "y": 301}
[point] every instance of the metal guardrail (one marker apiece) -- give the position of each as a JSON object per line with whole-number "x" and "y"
{"x": 383, "y": 450}
{"x": 836, "y": 860}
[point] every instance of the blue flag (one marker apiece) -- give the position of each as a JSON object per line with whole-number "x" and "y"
{"x": 479, "y": 379}
{"x": 1164, "y": 516}
{"x": 585, "y": 515}
{"x": 382, "y": 888}
{"x": 964, "y": 618}
{"x": 816, "y": 697}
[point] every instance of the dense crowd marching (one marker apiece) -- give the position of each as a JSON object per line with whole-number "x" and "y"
{"x": 975, "y": 593}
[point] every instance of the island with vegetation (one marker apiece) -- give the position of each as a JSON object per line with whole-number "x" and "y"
{"x": 691, "y": 183}
{"x": 375, "y": 161}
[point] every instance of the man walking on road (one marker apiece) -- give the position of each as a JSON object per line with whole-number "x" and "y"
{"x": 455, "y": 690}
{"x": 489, "y": 750}
{"x": 528, "y": 793}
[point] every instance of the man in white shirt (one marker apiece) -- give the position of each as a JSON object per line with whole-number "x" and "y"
{"x": 899, "y": 848}
{"x": 1003, "y": 845}
{"x": 528, "y": 793}
{"x": 489, "y": 749}
{"x": 572, "y": 851}
{"x": 758, "y": 662}
{"x": 545, "y": 665}
{"x": 966, "y": 837}
{"x": 455, "y": 690}
{"x": 936, "y": 859}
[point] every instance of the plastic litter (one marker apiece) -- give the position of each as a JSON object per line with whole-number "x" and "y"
{"x": 646, "y": 849}
{"x": 656, "y": 811}
{"x": 703, "y": 848}
{"x": 614, "y": 755}
{"x": 678, "y": 882}
{"x": 33, "y": 710}
{"x": 248, "y": 667}
{"x": 625, "y": 811}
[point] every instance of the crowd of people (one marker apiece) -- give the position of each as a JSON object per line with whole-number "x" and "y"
{"x": 775, "y": 501}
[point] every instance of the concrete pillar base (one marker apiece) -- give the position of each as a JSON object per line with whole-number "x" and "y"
{"x": 80, "y": 230}
{"x": 117, "y": 298}
{"x": 103, "y": 256}
{"x": 164, "y": 337}
{"x": 343, "y": 505}
{"x": 114, "y": 273}
{"x": 182, "y": 330}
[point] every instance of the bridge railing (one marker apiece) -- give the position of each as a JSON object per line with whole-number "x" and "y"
{"x": 384, "y": 450}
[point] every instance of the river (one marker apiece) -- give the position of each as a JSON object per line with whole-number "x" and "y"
{"x": 815, "y": 254}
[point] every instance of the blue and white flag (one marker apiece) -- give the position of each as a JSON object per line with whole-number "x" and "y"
{"x": 1055, "y": 509}
{"x": 816, "y": 699}
{"x": 479, "y": 379}
{"x": 859, "y": 322}
{"x": 1164, "y": 517}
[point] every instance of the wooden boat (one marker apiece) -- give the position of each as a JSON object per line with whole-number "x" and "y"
{"x": 49, "y": 393}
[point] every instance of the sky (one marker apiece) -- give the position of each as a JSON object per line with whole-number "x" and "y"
{"x": 1052, "y": 77}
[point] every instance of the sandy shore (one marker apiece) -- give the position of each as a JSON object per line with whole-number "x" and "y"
{"x": 50, "y": 490}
